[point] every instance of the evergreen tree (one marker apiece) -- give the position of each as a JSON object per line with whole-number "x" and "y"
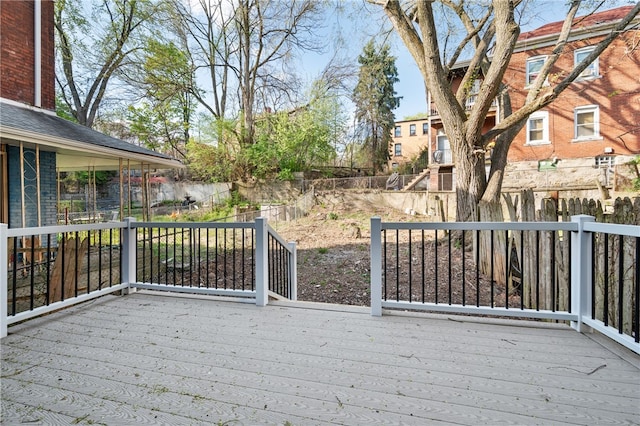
{"x": 375, "y": 100}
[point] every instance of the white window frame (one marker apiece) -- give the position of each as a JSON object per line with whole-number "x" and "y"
{"x": 539, "y": 115}
{"x": 528, "y": 80}
{"x": 603, "y": 161}
{"x": 397, "y": 132}
{"x": 595, "y": 109}
{"x": 412, "y": 129}
{"x": 593, "y": 70}
{"x": 473, "y": 94}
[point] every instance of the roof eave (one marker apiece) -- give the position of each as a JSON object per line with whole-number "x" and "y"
{"x": 64, "y": 144}
{"x": 576, "y": 34}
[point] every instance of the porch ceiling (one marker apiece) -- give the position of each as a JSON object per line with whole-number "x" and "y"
{"x": 77, "y": 147}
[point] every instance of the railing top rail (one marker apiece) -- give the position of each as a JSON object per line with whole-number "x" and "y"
{"x": 278, "y": 238}
{"x": 57, "y": 229}
{"x": 195, "y": 225}
{"x": 613, "y": 228}
{"x": 482, "y": 226}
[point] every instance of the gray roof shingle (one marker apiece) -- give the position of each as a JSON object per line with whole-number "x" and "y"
{"x": 12, "y": 116}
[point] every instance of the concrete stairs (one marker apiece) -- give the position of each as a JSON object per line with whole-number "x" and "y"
{"x": 416, "y": 180}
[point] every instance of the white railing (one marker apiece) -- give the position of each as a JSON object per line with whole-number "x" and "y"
{"x": 400, "y": 279}
{"x": 93, "y": 252}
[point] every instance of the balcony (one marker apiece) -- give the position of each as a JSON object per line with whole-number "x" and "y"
{"x": 190, "y": 356}
{"x": 435, "y": 115}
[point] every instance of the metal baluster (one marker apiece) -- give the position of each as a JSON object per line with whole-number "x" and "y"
{"x": 605, "y": 313}
{"x": 32, "y": 270}
{"x": 435, "y": 251}
{"x": 620, "y": 280}
{"x": 410, "y": 268}
{"x": 464, "y": 274}
{"x": 506, "y": 268}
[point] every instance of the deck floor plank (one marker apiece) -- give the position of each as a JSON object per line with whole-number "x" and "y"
{"x": 174, "y": 360}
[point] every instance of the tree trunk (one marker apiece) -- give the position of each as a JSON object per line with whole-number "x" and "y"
{"x": 470, "y": 179}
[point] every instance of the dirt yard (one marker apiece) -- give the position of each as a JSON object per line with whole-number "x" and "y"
{"x": 333, "y": 252}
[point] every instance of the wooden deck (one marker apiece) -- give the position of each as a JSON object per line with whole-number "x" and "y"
{"x": 154, "y": 359}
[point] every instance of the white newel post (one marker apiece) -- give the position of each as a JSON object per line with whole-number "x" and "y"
{"x": 376, "y": 266}
{"x": 128, "y": 267}
{"x": 4, "y": 286}
{"x": 581, "y": 261}
{"x": 262, "y": 262}
{"x": 293, "y": 271}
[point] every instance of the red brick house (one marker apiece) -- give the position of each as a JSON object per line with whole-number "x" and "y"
{"x": 594, "y": 124}
{"x": 35, "y": 144}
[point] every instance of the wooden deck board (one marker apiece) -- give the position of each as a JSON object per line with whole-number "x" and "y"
{"x": 156, "y": 359}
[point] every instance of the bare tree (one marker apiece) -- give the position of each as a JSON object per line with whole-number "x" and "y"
{"x": 92, "y": 46}
{"x": 245, "y": 47}
{"x": 490, "y": 32}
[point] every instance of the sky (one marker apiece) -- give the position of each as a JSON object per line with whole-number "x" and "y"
{"x": 356, "y": 30}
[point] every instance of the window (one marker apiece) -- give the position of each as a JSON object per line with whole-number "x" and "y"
{"x": 425, "y": 128}
{"x": 412, "y": 130}
{"x": 603, "y": 161}
{"x": 397, "y": 132}
{"x": 592, "y": 70}
{"x": 538, "y": 128}
{"x": 397, "y": 149}
{"x": 473, "y": 94}
{"x": 534, "y": 65}
{"x": 586, "y": 121}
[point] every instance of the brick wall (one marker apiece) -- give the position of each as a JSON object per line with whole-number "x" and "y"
{"x": 411, "y": 145}
{"x": 48, "y": 188}
{"x": 616, "y": 91}
{"x": 17, "y": 52}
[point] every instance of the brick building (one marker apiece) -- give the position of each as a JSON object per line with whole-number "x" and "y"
{"x": 35, "y": 144}
{"x": 594, "y": 123}
{"x": 410, "y": 140}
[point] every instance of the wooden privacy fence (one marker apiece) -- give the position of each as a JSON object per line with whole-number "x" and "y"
{"x": 543, "y": 283}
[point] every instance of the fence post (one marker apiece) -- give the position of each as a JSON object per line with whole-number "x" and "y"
{"x": 262, "y": 262}
{"x": 4, "y": 271}
{"x": 581, "y": 261}
{"x": 293, "y": 271}
{"x": 376, "y": 266}
{"x": 129, "y": 261}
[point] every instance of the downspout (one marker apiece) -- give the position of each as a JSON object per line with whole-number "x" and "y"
{"x": 37, "y": 48}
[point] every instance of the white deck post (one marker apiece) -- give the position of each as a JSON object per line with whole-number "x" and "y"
{"x": 581, "y": 261}
{"x": 129, "y": 266}
{"x": 376, "y": 266}
{"x": 4, "y": 285}
{"x": 262, "y": 262}
{"x": 293, "y": 271}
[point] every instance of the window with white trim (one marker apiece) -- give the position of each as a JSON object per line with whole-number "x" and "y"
{"x": 534, "y": 65}
{"x": 412, "y": 129}
{"x": 397, "y": 132}
{"x": 473, "y": 94}
{"x": 592, "y": 71}
{"x": 603, "y": 161}
{"x": 538, "y": 128}
{"x": 587, "y": 122}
